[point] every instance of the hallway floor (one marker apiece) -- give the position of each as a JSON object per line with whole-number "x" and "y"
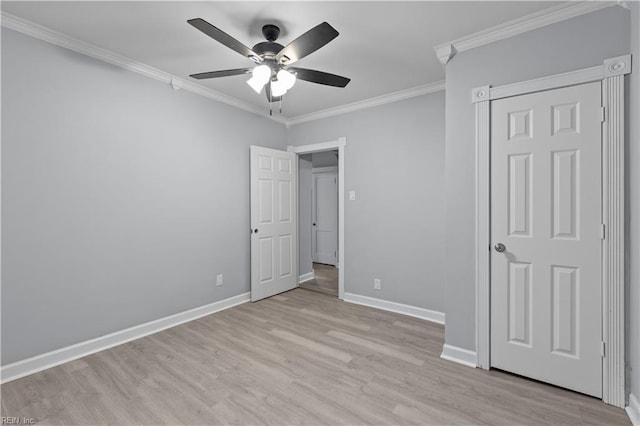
{"x": 325, "y": 281}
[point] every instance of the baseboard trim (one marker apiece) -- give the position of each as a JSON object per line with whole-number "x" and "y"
{"x": 47, "y": 360}
{"x": 633, "y": 410}
{"x": 412, "y": 311}
{"x": 459, "y": 355}
{"x": 306, "y": 277}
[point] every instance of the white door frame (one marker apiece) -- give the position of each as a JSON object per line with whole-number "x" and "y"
{"x": 611, "y": 73}
{"x": 338, "y": 144}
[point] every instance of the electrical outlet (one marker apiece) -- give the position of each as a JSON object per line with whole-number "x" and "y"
{"x": 377, "y": 284}
{"x": 219, "y": 280}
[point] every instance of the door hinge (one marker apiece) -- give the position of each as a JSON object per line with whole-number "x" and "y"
{"x": 335, "y": 254}
{"x": 602, "y": 231}
{"x": 603, "y": 114}
{"x": 602, "y": 347}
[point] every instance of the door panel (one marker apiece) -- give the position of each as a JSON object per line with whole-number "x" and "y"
{"x": 565, "y": 288}
{"x": 520, "y": 303}
{"x": 520, "y": 195}
{"x": 324, "y": 239}
{"x": 565, "y": 182}
{"x": 274, "y": 253}
{"x": 545, "y": 208}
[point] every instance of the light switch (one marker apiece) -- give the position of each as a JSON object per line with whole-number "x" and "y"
{"x": 352, "y": 195}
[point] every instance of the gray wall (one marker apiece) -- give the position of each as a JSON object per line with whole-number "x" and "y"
{"x": 305, "y": 260}
{"x": 325, "y": 159}
{"x": 577, "y": 43}
{"x": 394, "y": 160}
{"x": 633, "y": 167}
{"x": 122, "y": 199}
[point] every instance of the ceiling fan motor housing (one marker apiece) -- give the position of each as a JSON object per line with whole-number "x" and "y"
{"x": 267, "y": 49}
{"x": 270, "y": 32}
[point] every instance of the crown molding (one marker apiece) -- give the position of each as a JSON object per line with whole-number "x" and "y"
{"x": 446, "y": 51}
{"x": 177, "y": 83}
{"x": 38, "y": 31}
{"x": 368, "y": 103}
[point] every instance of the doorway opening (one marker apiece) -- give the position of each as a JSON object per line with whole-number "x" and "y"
{"x": 318, "y": 221}
{"x": 321, "y": 258}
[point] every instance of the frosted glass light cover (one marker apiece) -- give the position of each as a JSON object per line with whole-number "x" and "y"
{"x": 262, "y": 73}
{"x": 278, "y": 88}
{"x": 255, "y": 84}
{"x": 287, "y": 79}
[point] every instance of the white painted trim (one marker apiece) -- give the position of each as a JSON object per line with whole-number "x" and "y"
{"x": 620, "y": 65}
{"x": 38, "y": 31}
{"x": 445, "y": 52}
{"x": 306, "y": 277}
{"x": 483, "y": 230}
{"x": 613, "y": 251}
{"x": 459, "y": 355}
{"x": 318, "y": 147}
{"x": 611, "y": 73}
{"x": 552, "y": 15}
{"x": 385, "y": 305}
{"x": 368, "y": 103}
{"x": 341, "y": 216}
{"x": 47, "y": 360}
{"x": 327, "y": 169}
{"x": 633, "y": 410}
{"x": 340, "y": 145}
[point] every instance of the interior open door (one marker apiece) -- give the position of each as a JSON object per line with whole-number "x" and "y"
{"x": 274, "y": 222}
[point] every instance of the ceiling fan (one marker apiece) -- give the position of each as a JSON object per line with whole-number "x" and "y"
{"x": 272, "y": 70}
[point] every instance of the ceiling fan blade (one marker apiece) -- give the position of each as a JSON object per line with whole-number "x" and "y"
{"x": 224, "y": 38}
{"x": 307, "y": 43}
{"x": 320, "y": 77}
{"x": 223, "y": 73}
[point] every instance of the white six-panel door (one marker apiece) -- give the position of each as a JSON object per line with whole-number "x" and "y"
{"x": 274, "y": 224}
{"x": 546, "y": 210}
{"x": 324, "y": 210}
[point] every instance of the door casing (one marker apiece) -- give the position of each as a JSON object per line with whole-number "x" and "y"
{"x": 338, "y": 144}
{"x": 611, "y": 73}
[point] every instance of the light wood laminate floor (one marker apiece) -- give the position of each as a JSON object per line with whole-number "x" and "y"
{"x": 300, "y": 358}
{"x": 325, "y": 280}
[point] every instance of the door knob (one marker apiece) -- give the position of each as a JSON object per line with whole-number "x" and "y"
{"x": 255, "y": 230}
{"x": 500, "y": 247}
{"x": 314, "y": 224}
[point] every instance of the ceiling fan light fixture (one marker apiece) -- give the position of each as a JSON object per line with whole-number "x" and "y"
{"x": 262, "y": 73}
{"x": 255, "y": 84}
{"x": 278, "y": 88}
{"x": 287, "y": 79}
{"x": 260, "y": 76}
{"x": 271, "y": 58}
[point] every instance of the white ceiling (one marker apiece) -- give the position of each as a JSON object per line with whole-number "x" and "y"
{"x": 384, "y": 47}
